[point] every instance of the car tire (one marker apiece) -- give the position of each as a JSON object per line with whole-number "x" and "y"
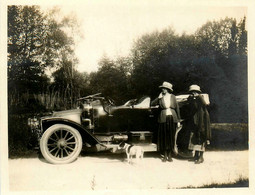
{"x": 60, "y": 144}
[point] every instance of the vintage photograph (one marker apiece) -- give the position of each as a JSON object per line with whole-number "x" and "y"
{"x": 146, "y": 96}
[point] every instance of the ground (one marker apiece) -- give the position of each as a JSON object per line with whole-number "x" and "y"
{"x": 111, "y": 171}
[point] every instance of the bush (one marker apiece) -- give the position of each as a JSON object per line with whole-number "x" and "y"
{"x": 229, "y": 136}
{"x": 19, "y": 135}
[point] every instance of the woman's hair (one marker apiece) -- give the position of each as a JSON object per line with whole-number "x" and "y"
{"x": 168, "y": 90}
{"x": 194, "y": 91}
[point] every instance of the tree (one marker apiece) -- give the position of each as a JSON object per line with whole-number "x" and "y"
{"x": 222, "y": 38}
{"x": 232, "y": 49}
{"x": 37, "y": 41}
{"x": 25, "y": 73}
{"x": 25, "y": 34}
{"x": 69, "y": 85}
{"x": 242, "y": 48}
{"x": 162, "y": 56}
{"x": 111, "y": 79}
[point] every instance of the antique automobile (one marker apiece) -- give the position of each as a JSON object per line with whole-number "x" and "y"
{"x": 99, "y": 125}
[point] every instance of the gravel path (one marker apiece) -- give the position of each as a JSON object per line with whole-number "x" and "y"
{"x": 112, "y": 172}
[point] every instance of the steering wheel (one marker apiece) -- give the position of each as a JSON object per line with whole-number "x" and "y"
{"x": 89, "y": 96}
{"x": 111, "y": 101}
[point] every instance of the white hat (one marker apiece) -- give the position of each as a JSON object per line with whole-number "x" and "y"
{"x": 167, "y": 85}
{"x": 194, "y": 88}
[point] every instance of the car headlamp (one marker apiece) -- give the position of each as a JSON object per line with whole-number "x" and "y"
{"x": 33, "y": 122}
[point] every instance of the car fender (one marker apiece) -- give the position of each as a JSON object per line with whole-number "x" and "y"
{"x": 87, "y": 136}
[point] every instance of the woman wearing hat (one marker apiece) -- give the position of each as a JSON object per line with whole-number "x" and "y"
{"x": 168, "y": 118}
{"x": 199, "y": 123}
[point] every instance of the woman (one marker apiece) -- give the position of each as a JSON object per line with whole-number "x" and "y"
{"x": 168, "y": 118}
{"x": 199, "y": 123}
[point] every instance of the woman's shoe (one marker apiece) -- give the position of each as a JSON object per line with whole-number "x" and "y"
{"x": 169, "y": 158}
{"x": 195, "y": 157}
{"x": 199, "y": 161}
{"x": 164, "y": 159}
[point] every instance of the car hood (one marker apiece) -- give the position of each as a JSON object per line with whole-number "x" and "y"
{"x": 66, "y": 113}
{"x": 71, "y": 115}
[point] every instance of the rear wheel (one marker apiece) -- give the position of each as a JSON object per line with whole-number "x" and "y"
{"x": 61, "y": 144}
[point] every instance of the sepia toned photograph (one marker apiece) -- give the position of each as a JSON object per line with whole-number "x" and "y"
{"x": 126, "y": 96}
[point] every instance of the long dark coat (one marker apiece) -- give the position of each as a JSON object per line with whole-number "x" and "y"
{"x": 199, "y": 120}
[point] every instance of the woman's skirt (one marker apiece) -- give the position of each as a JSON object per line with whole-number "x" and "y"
{"x": 197, "y": 141}
{"x": 166, "y": 135}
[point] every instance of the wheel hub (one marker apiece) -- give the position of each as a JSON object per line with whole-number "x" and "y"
{"x": 61, "y": 143}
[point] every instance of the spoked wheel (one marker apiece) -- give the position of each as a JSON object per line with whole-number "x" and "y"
{"x": 61, "y": 144}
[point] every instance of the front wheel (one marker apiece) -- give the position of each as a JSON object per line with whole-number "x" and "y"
{"x": 61, "y": 144}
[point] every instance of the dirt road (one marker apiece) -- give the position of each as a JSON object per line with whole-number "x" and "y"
{"x": 112, "y": 172}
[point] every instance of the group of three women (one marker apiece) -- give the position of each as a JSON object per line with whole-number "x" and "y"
{"x": 169, "y": 121}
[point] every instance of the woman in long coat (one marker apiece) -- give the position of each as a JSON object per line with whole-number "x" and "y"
{"x": 199, "y": 123}
{"x": 168, "y": 119}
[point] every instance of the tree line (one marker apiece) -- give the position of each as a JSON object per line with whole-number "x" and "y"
{"x": 214, "y": 57}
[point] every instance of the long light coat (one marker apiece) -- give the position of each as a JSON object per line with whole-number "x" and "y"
{"x": 174, "y": 108}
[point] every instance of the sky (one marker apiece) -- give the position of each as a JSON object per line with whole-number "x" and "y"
{"x": 110, "y": 29}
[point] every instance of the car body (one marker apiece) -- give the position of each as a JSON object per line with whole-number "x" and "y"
{"x": 98, "y": 125}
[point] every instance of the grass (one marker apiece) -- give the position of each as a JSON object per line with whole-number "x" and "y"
{"x": 241, "y": 182}
{"x": 236, "y": 184}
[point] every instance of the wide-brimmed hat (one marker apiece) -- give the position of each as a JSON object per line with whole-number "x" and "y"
{"x": 194, "y": 88}
{"x": 166, "y": 85}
